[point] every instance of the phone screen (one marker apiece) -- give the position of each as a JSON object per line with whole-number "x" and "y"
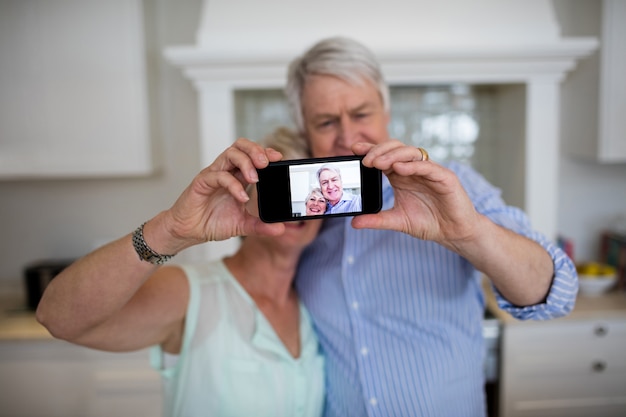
{"x": 317, "y": 188}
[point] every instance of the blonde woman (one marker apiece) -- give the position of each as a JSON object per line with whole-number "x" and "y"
{"x": 230, "y": 337}
{"x": 315, "y": 203}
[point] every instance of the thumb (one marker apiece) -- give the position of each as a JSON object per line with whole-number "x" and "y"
{"x": 381, "y": 220}
{"x": 255, "y": 226}
{"x": 361, "y": 148}
{"x": 368, "y": 221}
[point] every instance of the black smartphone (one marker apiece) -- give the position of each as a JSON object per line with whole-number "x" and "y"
{"x": 317, "y": 188}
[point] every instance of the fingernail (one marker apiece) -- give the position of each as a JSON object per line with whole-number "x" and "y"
{"x": 253, "y": 176}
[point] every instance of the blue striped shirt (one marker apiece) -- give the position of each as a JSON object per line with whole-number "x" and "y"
{"x": 400, "y": 319}
{"x": 348, "y": 204}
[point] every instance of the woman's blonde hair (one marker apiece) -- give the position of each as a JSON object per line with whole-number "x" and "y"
{"x": 317, "y": 191}
{"x": 286, "y": 141}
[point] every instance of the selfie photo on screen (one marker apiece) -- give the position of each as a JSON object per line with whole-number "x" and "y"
{"x": 295, "y": 190}
{"x": 336, "y": 184}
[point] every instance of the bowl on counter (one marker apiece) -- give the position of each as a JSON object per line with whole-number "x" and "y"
{"x": 595, "y": 278}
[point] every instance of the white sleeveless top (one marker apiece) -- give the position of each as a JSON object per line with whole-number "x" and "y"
{"x": 232, "y": 363}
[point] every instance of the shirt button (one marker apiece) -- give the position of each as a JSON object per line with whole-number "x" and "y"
{"x": 374, "y": 401}
{"x": 355, "y": 305}
{"x": 364, "y": 351}
{"x": 350, "y": 260}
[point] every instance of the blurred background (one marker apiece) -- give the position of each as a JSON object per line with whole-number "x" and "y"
{"x": 108, "y": 110}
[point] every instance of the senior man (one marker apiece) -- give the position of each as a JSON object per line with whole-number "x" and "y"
{"x": 337, "y": 201}
{"x": 396, "y": 296}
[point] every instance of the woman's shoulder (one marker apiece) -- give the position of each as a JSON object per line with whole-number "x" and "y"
{"x": 212, "y": 281}
{"x": 207, "y": 273}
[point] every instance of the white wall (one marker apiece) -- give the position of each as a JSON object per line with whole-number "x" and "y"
{"x": 54, "y": 218}
{"x": 66, "y": 218}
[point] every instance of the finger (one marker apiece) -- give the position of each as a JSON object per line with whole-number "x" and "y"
{"x": 249, "y": 156}
{"x": 385, "y": 158}
{"x": 430, "y": 170}
{"x": 382, "y": 220}
{"x": 253, "y": 150}
{"x": 223, "y": 179}
{"x": 361, "y": 148}
{"x": 244, "y": 156}
{"x": 384, "y": 154}
{"x": 273, "y": 155}
{"x": 410, "y": 168}
{"x": 259, "y": 156}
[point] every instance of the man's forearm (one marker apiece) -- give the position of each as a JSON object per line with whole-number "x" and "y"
{"x": 519, "y": 268}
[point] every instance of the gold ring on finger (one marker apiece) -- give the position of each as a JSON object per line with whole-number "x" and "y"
{"x": 424, "y": 153}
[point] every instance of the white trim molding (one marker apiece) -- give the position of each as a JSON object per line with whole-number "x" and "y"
{"x": 541, "y": 66}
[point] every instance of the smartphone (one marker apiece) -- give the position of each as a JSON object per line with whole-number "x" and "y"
{"x": 302, "y": 189}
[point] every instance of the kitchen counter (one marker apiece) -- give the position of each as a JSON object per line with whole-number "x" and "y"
{"x": 17, "y": 322}
{"x": 606, "y": 306}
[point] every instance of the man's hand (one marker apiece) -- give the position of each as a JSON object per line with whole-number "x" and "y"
{"x": 430, "y": 202}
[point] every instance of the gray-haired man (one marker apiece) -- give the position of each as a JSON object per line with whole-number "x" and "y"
{"x": 329, "y": 178}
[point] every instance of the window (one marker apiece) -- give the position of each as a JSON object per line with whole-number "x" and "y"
{"x": 450, "y": 121}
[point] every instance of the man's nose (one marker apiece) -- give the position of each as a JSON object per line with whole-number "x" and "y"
{"x": 348, "y": 133}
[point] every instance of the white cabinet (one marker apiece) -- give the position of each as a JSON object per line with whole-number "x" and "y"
{"x": 608, "y": 143}
{"x": 612, "y": 120}
{"x": 565, "y": 367}
{"x": 73, "y": 99}
{"x": 52, "y": 378}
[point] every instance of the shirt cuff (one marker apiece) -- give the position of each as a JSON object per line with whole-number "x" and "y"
{"x": 561, "y": 297}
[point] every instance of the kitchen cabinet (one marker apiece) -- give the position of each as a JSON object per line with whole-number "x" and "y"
{"x": 573, "y": 366}
{"x": 45, "y": 377}
{"x": 50, "y": 378}
{"x": 608, "y": 144}
{"x": 74, "y": 90}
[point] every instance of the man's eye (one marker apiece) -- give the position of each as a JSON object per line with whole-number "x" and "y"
{"x": 324, "y": 124}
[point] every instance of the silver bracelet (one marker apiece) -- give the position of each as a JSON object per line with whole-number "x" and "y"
{"x": 145, "y": 252}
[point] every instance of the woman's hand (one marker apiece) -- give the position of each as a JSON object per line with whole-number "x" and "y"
{"x": 213, "y": 206}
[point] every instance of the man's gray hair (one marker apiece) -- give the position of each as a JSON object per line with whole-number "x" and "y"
{"x": 340, "y": 57}
{"x": 328, "y": 167}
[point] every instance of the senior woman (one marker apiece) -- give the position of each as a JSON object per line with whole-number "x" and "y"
{"x": 230, "y": 337}
{"x": 315, "y": 202}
